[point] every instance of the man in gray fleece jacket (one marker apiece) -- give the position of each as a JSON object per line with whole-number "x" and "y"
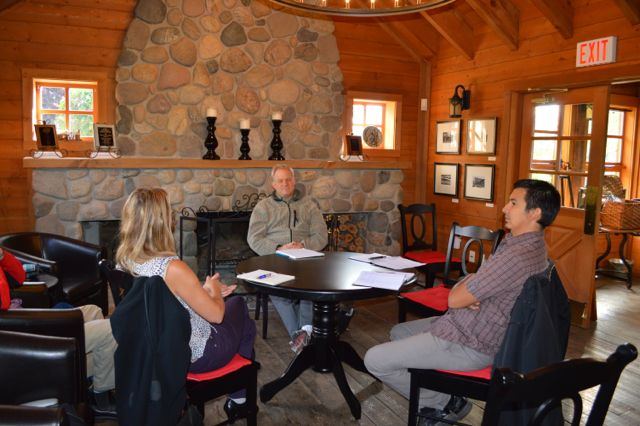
{"x": 282, "y": 221}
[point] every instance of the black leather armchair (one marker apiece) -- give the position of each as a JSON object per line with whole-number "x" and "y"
{"x": 40, "y": 367}
{"x": 73, "y": 262}
{"x": 16, "y": 415}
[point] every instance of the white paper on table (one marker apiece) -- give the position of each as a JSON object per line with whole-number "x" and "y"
{"x": 367, "y": 257}
{"x": 302, "y": 253}
{"x": 396, "y": 262}
{"x": 383, "y": 279}
{"x": 266, "y": 277}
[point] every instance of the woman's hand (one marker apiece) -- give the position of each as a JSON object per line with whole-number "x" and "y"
{"x": 213, "y": 286}
{"x": 228, "y": 289}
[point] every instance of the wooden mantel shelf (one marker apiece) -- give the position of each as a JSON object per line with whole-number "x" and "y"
{"x": 181, "y": 163}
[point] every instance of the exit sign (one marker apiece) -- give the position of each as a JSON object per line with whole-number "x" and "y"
{"x": 596, "y": 52}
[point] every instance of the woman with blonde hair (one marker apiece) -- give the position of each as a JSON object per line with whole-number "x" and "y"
{"x": 219, "y": 328}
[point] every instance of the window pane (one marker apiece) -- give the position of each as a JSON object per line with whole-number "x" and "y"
{"x": 57, "y": 119}
{"x": 358, "y": 114}
{"x": 80, "y": 99}
{"x": 614, "y": 150}
{"x": 544, "y": 150}
{"x": 52, "y": 98}
{"x": 357, "y": 130}
{"x": 543, "y": 176}
{"x": 374, "y": 114}
{"x": 616, "y": 123}
{"x": 81, "y": 122}
{"x": 546, "y": 117}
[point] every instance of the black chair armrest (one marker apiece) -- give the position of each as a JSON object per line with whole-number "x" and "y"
{"x": 16, "y": 415}
{"x": 32, "y": 296}
{"x": 74, "y": 258}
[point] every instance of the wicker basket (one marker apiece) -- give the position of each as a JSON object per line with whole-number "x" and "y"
{"x": 621, "y": 214}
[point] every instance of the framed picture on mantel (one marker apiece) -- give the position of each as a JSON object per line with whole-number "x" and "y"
{"x": 104, "y": 137}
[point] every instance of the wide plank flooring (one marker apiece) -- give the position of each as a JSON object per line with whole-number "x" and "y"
{"x": 314, "y": 399}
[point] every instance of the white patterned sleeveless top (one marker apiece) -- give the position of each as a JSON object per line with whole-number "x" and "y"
{"x": 200, "y": 327}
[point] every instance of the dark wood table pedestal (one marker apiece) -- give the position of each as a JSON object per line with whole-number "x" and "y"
{"x": 325, "y": 354}
{"x": 628, "y": 275}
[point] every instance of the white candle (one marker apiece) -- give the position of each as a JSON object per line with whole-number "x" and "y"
{"x": 244, "y": 123}
{"x": 276, "y": 115}
{"x": 211, "y": 112}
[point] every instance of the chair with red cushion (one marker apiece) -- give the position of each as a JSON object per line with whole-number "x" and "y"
{"x": 542, "y": 301}
{"x": 434, "y": 301}
{"x": 422, "y": 246}
{"x": 239, "y": 373}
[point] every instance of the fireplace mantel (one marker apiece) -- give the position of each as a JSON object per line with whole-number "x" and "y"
{"x": 182, "y": 163}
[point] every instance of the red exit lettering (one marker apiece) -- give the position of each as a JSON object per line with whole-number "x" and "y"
{"x": 596, "y": 52}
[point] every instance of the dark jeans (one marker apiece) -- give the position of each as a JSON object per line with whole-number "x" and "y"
{"x": 235, "y": 334}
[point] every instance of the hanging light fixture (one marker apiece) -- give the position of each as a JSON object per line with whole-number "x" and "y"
{"x": 459, "y": 101}
{"x": 363, "y": 8}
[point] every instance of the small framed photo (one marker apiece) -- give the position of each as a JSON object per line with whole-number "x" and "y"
{"x": 481, "y": 136}
{"x": 46, "y": 137}
{"x": 478, "y": 181}
{"x": 104, "y": 137}
{"x": 445, "y": 179}
{"x": 448, "y": 137}
{"x": 353, "y": 144}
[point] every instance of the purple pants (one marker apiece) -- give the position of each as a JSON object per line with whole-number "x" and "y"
{"x": 235, "y": 334}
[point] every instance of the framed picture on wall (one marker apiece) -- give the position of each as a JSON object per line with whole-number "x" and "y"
{"x": 481, "y": 136}
{"x": 448, "y": 137}
{"x": 46, "y": 137}
{"x": 478, "y": 181}
{"x": 104, "y": 136}
{"x": 445, "y": 179}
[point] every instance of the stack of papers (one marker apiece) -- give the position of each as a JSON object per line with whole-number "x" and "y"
{"x": 383, "y": 279}
{"x": 390, "y": 262}
{"x": 266, "y": 277}
{"x": 299, "y": 253}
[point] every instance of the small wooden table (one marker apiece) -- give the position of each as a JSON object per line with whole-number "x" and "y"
{"x": 628, "y": 275}
{"x": 326, "y": 281}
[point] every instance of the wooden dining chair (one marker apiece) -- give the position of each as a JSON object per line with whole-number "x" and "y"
{"x": 420, "y": 240}
{"x": 543, "y": 390}
{"x": 433, "y": 301}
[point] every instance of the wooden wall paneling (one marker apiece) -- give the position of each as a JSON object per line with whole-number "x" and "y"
{"x": 69, "y": 15}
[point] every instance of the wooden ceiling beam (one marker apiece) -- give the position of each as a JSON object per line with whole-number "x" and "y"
{"x": 454, "y": 29}
{"x": 502, "y": 16}
{"x": 631, "y": 10}
{"x": 411, "y": 41}
{"x": 559, "y": 13}
{"x": 6, "y": 4}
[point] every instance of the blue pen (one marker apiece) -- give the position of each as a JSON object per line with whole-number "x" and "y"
{"x": 263, "y": 276}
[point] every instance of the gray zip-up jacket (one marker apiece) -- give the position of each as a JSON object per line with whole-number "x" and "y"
{"x": 275, "y": 222}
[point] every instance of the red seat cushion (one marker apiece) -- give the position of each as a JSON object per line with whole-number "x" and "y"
{"x": 485, "y": 373}
{"x": 236, "y": 363}
{"x": 434, "y": 298}
{"x": 429, "y": 256}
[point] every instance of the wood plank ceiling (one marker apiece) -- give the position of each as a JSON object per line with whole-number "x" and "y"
{"x": 421, "y": 33}
{"x": 501, "y": 16}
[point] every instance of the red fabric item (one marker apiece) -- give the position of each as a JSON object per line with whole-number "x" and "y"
{"x": 236, "y": 363}
{"x": 5, "y": 296}
{"x": 12, "y": 266}
{"x": 485, "y": 373}
{"x": 434, "y": 298}
{"x": 429, "y": 256}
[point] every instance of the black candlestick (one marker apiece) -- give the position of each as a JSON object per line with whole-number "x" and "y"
{"x": 244, "y": 147}
{"x": 276, "y": 142}
{"x": 211, "y": 143}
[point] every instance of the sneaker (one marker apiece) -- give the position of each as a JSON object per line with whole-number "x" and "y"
{"x": 300, "y": 339}
{"x": 103, "y": 404}
{"x": 456, "y": 409}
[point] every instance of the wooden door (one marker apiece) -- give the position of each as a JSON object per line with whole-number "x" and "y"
{"x": 563, "y": 142}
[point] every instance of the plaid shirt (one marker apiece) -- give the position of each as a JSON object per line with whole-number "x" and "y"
{"x": 496, "y": 285}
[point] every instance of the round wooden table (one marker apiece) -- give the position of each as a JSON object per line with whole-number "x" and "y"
{"x": 326, "y": 281}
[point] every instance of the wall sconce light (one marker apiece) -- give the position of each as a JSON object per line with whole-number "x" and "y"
{"x": 459, "y": 101}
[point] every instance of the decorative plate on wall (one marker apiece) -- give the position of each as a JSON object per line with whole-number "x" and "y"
{"x": 372, "y": 136}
